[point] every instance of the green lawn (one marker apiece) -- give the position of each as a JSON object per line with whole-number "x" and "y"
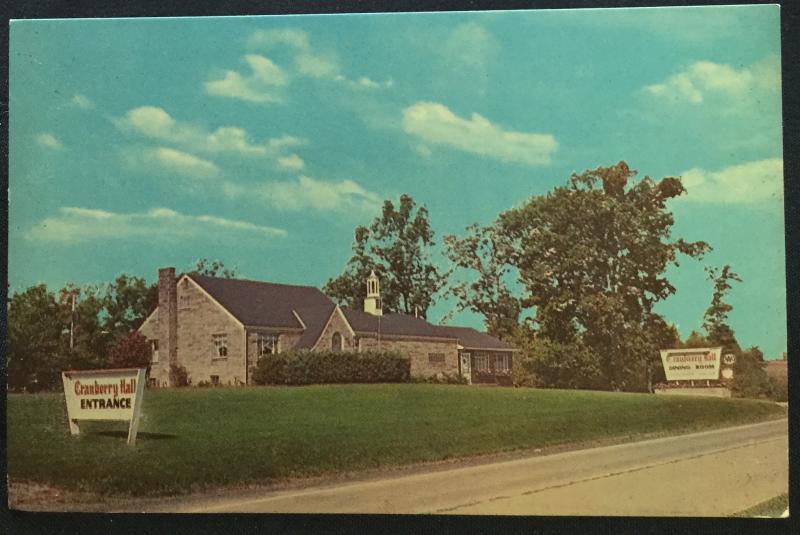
{"x": 190, "y": 439}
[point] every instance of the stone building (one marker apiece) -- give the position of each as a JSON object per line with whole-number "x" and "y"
{"x": 218, "y": 328}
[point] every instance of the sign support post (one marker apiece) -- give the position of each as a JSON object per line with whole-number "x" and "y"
{"x": 137, "y": 407}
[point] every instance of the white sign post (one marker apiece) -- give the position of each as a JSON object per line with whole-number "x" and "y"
{"x": 104, "y": 395}
{"x": 694, "y": 364}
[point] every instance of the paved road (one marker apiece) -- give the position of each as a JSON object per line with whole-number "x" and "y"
{"x": 714, "y": 473}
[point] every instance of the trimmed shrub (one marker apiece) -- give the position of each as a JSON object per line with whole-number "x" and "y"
{"x": 442, "y": 379}
{"x": 321, "y": 367}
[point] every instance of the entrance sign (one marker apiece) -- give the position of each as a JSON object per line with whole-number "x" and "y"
{"x": 104, "y": 395}
{"x": 691, "y": 364}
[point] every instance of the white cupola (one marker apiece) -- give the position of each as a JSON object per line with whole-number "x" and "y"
{"x": 372, "y": 304}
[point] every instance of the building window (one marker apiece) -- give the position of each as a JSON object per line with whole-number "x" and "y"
{"x": 501, "y": 363}
{"x": 267, "y": 344}
{"x": 154, "y": 350}
{"x": 215, "y": 380}
{"x": 481, "y": 362}
{"x": 436, "y": 358}
{"x": 220, "y": 345}
{"x": 185, "y": 301}
{"x": 337, "y": 342}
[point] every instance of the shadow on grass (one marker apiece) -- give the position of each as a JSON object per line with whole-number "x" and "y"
{"x": 139, "y": 436}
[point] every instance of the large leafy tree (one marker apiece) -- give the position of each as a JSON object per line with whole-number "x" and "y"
{"x": 484, "y": 252}
{"x": 749, "y": 377}
{"x": 127, "y": 302}
{"x": 213, "y": 268}
{"x": 715, "y": 320}
{"x": 592, "y": 256}
{"x": 90, "y": 339}
{"x": 397, "y": 246}
{"x": 37, "y": 347}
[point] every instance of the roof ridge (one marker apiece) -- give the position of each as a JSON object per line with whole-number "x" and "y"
{"x": 253, "y": 281}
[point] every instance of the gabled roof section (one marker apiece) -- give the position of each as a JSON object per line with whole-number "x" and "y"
{"x": 263, "y": 304}
{"x": 315, "y": 319}
{"x": 469, "y": 338}
{"x": 392, "y": 324}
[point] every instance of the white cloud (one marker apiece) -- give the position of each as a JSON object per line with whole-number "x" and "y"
{"x": 259, "y": 87}
{"x": 184, "y": 162}
{"x": 48, "y": 140}
{"x": 423, "y": 150}
{"x": 291, "y": 37}
{"x": 83, "y": 102}
{"x": 307, "y": 193}
{"x": 469, "y": 45}
{"x": 292, "y": 161}
{"x": 750, "y": 182}
{"x": 285, "y": 142}
{"x": 436, "y": 124}
{"x": 703, "y": 79}
{"x": 316, "y": 66}
{"x": 73, "y": 224}
{"x": 156, "y": 123}
{"x": 307, "y": 60}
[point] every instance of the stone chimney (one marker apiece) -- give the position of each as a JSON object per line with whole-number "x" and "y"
{"x": 168, "y": 314}
{"x": 372, "y": 304}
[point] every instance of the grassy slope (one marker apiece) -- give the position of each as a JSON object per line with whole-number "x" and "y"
{"x": 196, "y": 438}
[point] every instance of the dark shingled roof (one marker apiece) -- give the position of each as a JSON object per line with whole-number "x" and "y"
{"x": 314, "y": 319}
{"x": 264, "y": 304}
{"x": 472, "y": 339}
{"x": 398, "y": 324}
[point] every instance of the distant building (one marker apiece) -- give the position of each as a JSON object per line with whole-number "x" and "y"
{"x": 776, "y": 368}
{"x": 217, "y": 329}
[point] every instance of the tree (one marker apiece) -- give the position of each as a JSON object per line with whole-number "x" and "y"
{"x": 485, "y": 250}
{"x": 397, "y": 247}
{"x": 213, "y": 268}
{"x": 133, "y": 351}
{"x": 36, "y": 344}
{"x": 715, "y": 320}
{"x": 127, "y": 303}
{"x": 695, "y": 339}
{"x": 662, "y": 336}
{"x": 592, "y": 256}
{"x": 90, "y": 339}
{"x": 750, "y": 380}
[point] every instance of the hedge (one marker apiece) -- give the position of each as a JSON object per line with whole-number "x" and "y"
{"x": 320, "y": 367}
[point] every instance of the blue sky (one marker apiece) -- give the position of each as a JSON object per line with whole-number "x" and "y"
{"x": 263, "y": 141}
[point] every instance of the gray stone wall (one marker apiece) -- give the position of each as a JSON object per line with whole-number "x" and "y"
{"x": 337, "y": 324}
{"x": 287, "y": 342}
{"x": 199, "y": 318}
{"x": 159, "y": 371}
{"x": 418, "y": 351}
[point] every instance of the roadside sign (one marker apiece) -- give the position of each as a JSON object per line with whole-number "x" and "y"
{"x": 727, "y": 373}
{"x": 729, "y": 359}
{"x": 104, "y": 395}
{"x": 693, "y": 364}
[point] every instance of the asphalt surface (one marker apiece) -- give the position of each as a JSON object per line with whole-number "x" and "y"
{"x": 713, "y": 473}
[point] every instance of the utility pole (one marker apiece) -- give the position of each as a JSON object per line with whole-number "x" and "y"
{"x": 72, "y": 323}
